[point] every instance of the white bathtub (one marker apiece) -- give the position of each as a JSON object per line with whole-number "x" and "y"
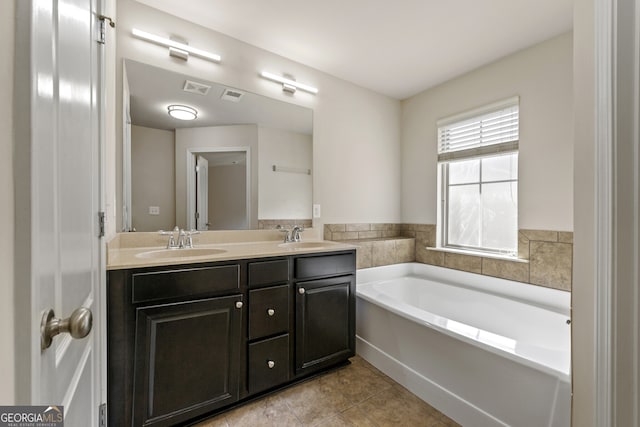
{"x": 485, "y": 351}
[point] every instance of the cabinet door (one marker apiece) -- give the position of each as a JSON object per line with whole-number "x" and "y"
{"x": 186, "y": 359}
{"x": 325, "y": 323}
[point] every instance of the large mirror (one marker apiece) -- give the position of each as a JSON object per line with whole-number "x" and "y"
{"x": 244, "y": 161}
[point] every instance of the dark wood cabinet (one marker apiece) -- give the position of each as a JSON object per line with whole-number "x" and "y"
{"x": 187, "y": 359}
{"x": 187, "y": 341}
{"x": 325, "y": 322}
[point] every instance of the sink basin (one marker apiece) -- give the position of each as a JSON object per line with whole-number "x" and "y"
{"x": 303, "y": 245}
{"x": 180, "y": 253}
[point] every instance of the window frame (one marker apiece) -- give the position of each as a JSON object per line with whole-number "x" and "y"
{"x": 478, "y": 151}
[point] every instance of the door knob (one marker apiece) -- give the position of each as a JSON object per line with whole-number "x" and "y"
{"x": 78, "y": 325}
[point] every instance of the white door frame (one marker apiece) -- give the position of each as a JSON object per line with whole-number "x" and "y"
{"x": 30, "y": 83}
{"x": 617, "y": 187}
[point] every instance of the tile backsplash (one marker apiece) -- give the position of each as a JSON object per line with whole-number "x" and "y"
{"x": 545, "y": 257}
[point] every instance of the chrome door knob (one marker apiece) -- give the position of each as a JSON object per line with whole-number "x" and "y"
{"x": 301, "y": 291}
{"x": 271, "y": 364}
{"x": 271, "y": 312}
{"x": 78, "y": 325}
{"x": 239, "y": 304}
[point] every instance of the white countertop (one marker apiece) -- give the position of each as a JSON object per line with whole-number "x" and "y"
{"x": 119, "y": 257}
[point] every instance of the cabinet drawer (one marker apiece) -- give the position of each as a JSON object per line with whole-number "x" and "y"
{"x": 188, "y": 282}
{"x": 268, "y": 311}
{"x": 268, "y": 363}
{"x": 325, "y": 265}
{"x": 265, "y": 273}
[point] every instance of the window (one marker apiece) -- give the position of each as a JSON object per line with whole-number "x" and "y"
{"x": 478, "y": 174}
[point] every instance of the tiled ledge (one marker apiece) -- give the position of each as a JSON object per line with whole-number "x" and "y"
{"x": 549, "y": 253}
{"x": 374, "y": 252}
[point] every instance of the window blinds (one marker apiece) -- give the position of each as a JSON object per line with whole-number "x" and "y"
{"x": 488, "y": 130}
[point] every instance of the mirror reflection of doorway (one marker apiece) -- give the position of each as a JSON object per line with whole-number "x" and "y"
{"x": 221, "y": 190}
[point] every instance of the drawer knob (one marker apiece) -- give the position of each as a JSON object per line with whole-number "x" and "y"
{"x": 239, "y": 304}
{"x": 271, "y": 312}
{"x": 301, "y": 291}
{"x": 271, "y": 364}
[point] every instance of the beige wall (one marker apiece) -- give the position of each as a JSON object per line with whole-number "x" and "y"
{"x": 153, "y": 178}
{"x": 542, "y": 76}
{"x": 284, "y": 195}
{"x": 584, "y": 257}
{"x": 227, "y": 197}
{"x": 209, "y": 139}
{"x": 356, "y": 131}
{"x": 7, "y": 371}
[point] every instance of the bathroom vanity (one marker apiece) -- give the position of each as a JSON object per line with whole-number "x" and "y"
{"x": 190, "y": 337}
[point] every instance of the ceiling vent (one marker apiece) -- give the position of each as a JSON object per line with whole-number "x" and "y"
{"x": 232, "y": 95}
{"x": 194, "y": 87}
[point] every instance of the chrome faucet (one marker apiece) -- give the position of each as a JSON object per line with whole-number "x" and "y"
{"x": 292, "y": 235}
{"x": 179, "y": 238}
{"x": 295, "y": 233}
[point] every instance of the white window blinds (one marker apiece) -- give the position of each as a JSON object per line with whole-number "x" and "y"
{"x": 487, "y": 130}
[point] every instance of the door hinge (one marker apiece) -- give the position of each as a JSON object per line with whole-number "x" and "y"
{"x": 101, "y": 224}
{"x": 102, "y": 37}
{"x": 102, "y": 415}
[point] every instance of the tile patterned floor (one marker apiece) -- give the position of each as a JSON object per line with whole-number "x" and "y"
{"x": 356, "y": 395}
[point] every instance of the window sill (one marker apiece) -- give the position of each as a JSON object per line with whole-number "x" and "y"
{"x": 479, "y": 254}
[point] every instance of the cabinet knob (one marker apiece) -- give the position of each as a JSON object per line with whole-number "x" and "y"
{"x": 271, "y": 364}
{"x": 239, "y": 304}
{"x": 301, "y": 291}
{"x": 271, "y": 312}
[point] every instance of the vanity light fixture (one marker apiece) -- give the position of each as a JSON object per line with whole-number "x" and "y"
{"x": 288, "y": 84}
{"x": 182, "y": 112}
{"x": 176, "y": 48}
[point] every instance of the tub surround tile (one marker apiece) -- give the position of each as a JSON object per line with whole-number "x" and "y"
{"x": 364, "y": 253}
{"x": 469, "y": 263}
{"x": 523, "y": 246}
{"x": 428, "y": 256}
{"x": 334, "y": 228}
{"x": 358, "y": 227}
{"x": 551, "y": 264}
{"x": 541, "y": 235}
{"x": 405, "y": 250}
{"x": 345, "y": 235}
{"x": 504, "y": 269}
{"x": 565, "y": 237}
{"x": 384, "y": 253}
{"x": 385, "y": 227}
{"x": 369, "y": 234}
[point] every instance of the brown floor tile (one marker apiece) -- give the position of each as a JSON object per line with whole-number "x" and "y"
{"x": 352, "y": 417}
{"x": 270, "y": 411}
{"x": 314, "y": 401}
{"x": 358, "y": 395}
{"x": 396, "y": 406}
{"x": 355, "y": 382}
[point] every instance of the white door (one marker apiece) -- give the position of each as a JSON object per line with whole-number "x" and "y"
{"x": 202, "y": 194}
{"x": 65, "y": 252}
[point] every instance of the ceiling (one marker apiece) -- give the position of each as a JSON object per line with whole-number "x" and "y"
{"x": 395, "y": 47}
{"x": 152, "y": 89}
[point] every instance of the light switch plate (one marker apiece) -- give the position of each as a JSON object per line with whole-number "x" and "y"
{"x": 154, "y": 210}
{"x": 316, "y": 211}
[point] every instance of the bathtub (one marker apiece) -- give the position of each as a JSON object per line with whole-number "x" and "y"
{"x": 482, "y": 350}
